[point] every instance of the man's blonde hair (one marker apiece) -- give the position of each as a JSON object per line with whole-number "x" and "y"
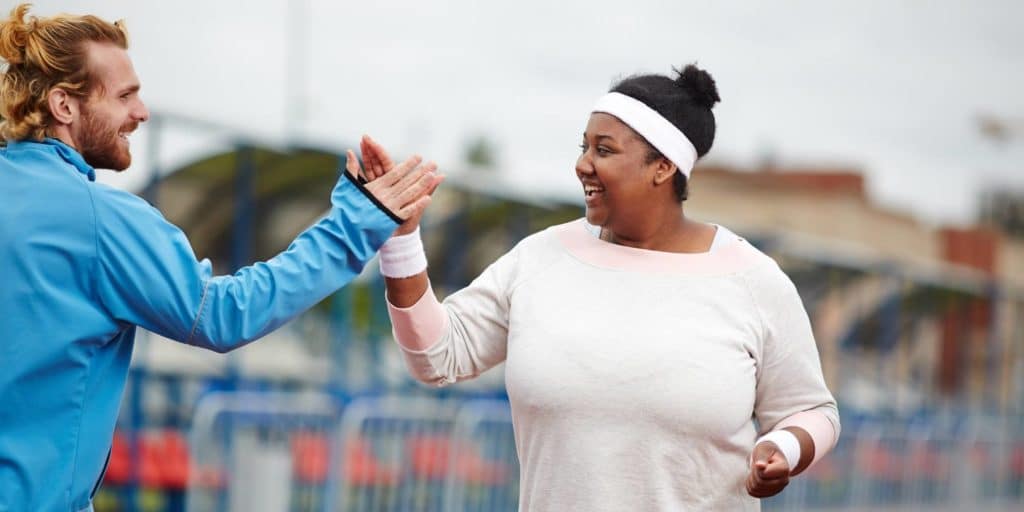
{"x": 43, "y": 54}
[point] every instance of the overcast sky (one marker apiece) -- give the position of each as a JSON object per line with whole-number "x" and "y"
{"x": 892, "y": 88}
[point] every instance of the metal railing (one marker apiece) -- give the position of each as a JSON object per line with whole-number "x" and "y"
{"x": 304, "y": 452}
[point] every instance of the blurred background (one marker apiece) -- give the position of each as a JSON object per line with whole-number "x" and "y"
{"x": 875, "y": 149}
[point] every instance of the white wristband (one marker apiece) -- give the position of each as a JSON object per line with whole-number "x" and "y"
{"x": 403, "y": 256}
{"x": 788, "y": 444}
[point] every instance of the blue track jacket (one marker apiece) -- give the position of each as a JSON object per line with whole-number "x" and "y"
{"x": 82, "y": 264}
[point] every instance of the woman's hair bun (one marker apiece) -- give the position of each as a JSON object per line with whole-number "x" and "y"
{"x": 14, "y": 34}
{"x": 699, "y": 84}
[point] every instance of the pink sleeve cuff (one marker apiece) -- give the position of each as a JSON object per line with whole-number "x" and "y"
{"x": 820, "y": 428}
{"x": 420, "y": 326}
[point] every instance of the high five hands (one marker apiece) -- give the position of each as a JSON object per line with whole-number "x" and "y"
{"x": 404, "y": 189}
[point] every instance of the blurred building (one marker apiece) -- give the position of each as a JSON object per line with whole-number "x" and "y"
{"x": 934, "y": 312}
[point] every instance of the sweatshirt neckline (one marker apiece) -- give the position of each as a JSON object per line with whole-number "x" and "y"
{"x": 735, "y": 256}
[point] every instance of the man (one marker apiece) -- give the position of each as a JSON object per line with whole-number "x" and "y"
{"x": 82, "y": 264}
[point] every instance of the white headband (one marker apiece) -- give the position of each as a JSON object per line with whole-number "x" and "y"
{"x": 663, "y": 135}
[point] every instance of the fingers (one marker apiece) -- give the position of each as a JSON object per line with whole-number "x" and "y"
{"x": 409, "y": 165}
{"x": 433, "y": 180}
{"x": 381, "y": 157}
{"x": 382, "y": 154}
{"x": 396, "y": 188}
{"x": 769, "y": 471}
{"x": 351, "y": 164}
{"x": 776, "y": 467}
{"x": 415, "y": 213}
{"x": 769, "y": 461}
{"x": 761, "y": 489}
{"x": 437, "y": 179}
{"x": 415, "y": 186}
{"x": 402, "y": 188}
{"x": 414, "y": 210}
{"x": 760, "y": 486}
{"x": 404, "y": 185}
{"x": 372, "y": 162}
{"x": 762, "y": 452}
{"x": 416, "y": 182}
{"x": 376, "y": 158}
{"x": 376, "y": 168}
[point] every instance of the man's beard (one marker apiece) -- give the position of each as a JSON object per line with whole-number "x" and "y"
{"x": 100, "y": 144}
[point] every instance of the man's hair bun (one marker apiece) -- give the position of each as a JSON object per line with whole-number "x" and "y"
{"x": 14, "y": 34}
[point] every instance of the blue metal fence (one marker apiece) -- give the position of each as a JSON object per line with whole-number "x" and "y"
{"x": 305, "y": 452}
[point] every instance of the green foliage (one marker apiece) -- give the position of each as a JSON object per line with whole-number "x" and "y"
{"x": 481, "y": 153}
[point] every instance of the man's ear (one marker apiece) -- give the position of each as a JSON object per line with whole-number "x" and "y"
{"x": 664, "y": 171}
{"x": 63, "y": 107}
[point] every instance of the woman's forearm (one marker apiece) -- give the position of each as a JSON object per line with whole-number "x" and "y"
{"x": 404, "y": 292}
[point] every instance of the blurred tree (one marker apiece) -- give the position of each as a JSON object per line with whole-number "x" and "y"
{"x": 481, "y": 153}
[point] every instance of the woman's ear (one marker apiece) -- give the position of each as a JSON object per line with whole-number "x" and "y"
{"x": 664, "y": 170}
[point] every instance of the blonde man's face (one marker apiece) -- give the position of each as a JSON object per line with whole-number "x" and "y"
{"x": 113, "y": 110}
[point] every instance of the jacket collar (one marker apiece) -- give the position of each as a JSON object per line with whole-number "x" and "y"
{"x": 67, "y": 153}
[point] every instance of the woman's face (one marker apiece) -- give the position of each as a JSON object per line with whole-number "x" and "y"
{"x": 618, "y": 185}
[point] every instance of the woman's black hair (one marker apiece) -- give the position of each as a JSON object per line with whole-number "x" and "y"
{"x": 685, "y": 102}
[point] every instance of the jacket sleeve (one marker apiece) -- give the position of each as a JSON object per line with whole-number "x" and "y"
{"x": 147, "y": 274}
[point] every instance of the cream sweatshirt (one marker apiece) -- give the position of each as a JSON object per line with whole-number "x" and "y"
{"x": 635, "y": 377}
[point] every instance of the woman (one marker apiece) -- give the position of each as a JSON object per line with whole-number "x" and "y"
{"x": 641, "y": 345}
